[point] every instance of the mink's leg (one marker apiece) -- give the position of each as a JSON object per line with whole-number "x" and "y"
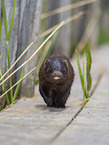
{"x": 46, "y": 98}
{"x": 61, "y": 99}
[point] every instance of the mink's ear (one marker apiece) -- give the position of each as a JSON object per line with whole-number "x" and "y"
{"x": 46, "y": 62}
{"x": 66, "y": 62}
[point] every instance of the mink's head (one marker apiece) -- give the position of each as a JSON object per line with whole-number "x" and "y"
{"x": 55, "y": 68}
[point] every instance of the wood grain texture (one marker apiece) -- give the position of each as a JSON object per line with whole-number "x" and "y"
{"x": 63, "y": 41}
{"x": 25, "y": 30}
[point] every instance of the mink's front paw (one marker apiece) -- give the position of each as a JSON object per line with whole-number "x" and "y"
{"x": 49, "y": 102}
{"x": 59, "y": 106}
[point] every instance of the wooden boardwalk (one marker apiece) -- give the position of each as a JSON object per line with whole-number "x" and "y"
{"x": 30, "y": 122}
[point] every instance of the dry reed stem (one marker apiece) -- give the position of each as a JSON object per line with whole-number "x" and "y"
{"x": 76, "y": 16}
{"x": 9, "y": 105}
{"x": 16, "y": 60}
{"x": 89, "y": 29}
{"x": 66, "y": 8}
{"x": 18, "y": 82}
{"x": 60, "y": 25}
{"x": 43, "y": 55}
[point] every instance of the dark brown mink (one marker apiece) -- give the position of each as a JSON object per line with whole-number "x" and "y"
{"x": 56, "y": 76}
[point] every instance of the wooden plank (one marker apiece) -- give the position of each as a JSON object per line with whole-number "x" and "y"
{"x": 30, "y": 120}
{"x": 29, "y": 24}
{"x": 90, "y": 127}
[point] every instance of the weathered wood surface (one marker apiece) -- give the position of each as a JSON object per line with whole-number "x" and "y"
{"x": 30, "y": 122}
{"x": 25, "y": 30}
{"x": 62, "y": 44}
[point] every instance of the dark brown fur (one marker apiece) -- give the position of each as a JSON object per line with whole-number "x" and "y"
{"x": 55, "y": 79}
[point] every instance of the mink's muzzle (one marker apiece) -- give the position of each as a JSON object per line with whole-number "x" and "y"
{"x": 57, "y": 75}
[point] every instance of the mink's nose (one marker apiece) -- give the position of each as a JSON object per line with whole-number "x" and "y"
{"x": 57, "y": 73}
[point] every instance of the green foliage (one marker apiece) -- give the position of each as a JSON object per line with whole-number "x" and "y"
{"x": 4, "y": 89}
{"x": 96, "y": 96}
{"x": 86, "y": 81}
{"x": 88, "y": 68}
{"x": 10, "y": 80}
{"x": 3, "y": 12}
{"x": 81, "y": 75}
{"x": 1, "y": 23}
{"x": 103, "y": 36}
{"x": 4, "y": 18}
{"x": 18, "y": 85}
{"x": 10, "y": 97}
{"x": 12, "y": 20}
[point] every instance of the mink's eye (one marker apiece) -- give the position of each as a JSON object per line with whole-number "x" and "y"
{"x": 50, "y": 70}
{"x": 63, "y": 69}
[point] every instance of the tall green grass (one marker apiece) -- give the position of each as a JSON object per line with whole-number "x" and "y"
{"x": 85, "y": 74}
{"x": 11, "y": 96}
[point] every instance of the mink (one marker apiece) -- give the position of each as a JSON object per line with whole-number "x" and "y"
{"x": 56, "y": 76}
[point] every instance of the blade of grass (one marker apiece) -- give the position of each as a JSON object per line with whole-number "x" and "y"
{"x": 59, "y": 26}
{"x": 89, "y": 55}
{"x": 89, "y": 79}
{"x": 5, "y": 19}
{"x": 9, "y": 106}
{"x": 88, "y": 68}
{"x": 84, "y": 77}
{"x": 1, "y": 23}
{"x": 17, "y": 60}
{"x": 8, "y": 55}
{"x": 10, "y": 80}
{"x": 12, "y": 20}
{"x": 18, "y": 82}
{"x": 96, "y": 96}
{"x": 80, "y": 74}
{"x": 4, "y": 89}
{"x": 104, "y": 94}
{"x": 18, "y": 85}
